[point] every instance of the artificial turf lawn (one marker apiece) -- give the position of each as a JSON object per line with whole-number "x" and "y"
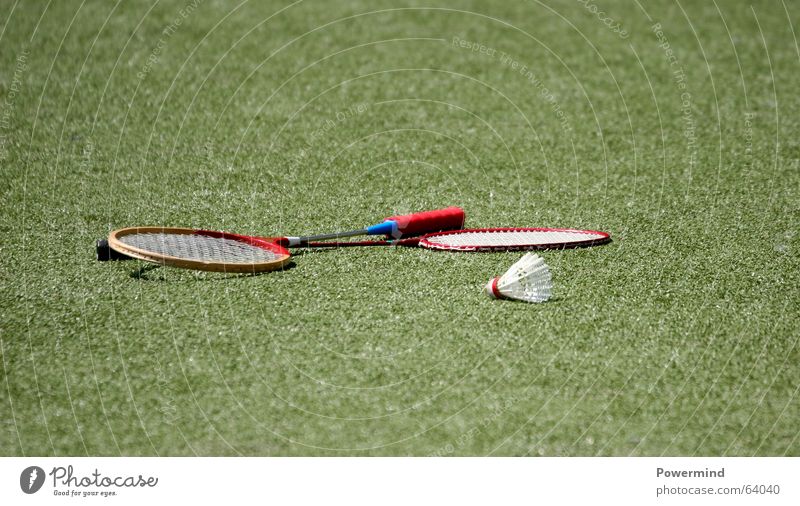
{"x": 679, "y": 338}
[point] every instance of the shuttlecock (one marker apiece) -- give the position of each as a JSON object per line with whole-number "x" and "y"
{"x": 528, "y": 280}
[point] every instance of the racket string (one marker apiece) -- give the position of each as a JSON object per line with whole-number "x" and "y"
{"x": 511, "y": 238}
{"x": 200, "y": 248}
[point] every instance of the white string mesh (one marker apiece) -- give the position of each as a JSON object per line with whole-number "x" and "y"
{"x": 511, "y": 238}
{"x": 200, "y": 248}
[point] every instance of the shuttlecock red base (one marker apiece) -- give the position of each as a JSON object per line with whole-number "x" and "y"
{"x": 492, "y": 290}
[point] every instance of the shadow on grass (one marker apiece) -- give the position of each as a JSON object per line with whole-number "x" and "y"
{"x": 552, "y": 301}
{"x": 159, "y": 273}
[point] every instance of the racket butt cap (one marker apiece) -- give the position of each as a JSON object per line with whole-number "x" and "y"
{"x": 492, "y": 290}
{"x": 105, "y": 253}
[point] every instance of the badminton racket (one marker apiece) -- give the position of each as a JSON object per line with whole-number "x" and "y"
{"x": 225, "y": 252}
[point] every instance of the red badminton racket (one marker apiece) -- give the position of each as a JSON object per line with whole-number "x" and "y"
{"x": 484, "y": 239}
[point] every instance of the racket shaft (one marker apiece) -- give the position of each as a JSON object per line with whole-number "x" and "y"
{"x": 409, "y": 242}
{"x": 296, "y": 241}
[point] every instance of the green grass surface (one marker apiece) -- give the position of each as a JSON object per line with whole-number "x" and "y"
{"x": 679, "y": 338}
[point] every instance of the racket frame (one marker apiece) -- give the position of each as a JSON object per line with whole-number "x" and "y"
{"x": 425, "y": 241}
{"x": 115, "y": 242}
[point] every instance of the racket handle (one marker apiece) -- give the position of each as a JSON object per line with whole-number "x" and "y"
{"x": 449, "y": 218}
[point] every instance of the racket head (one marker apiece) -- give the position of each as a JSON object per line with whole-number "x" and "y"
{"x": 513, "y": 239}
{"x": 203, "y": 250}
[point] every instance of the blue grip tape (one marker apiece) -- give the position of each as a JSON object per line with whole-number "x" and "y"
{"x": 388, "y": 227}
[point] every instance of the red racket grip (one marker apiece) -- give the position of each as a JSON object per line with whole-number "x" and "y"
{"x": 449, "y": 218}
